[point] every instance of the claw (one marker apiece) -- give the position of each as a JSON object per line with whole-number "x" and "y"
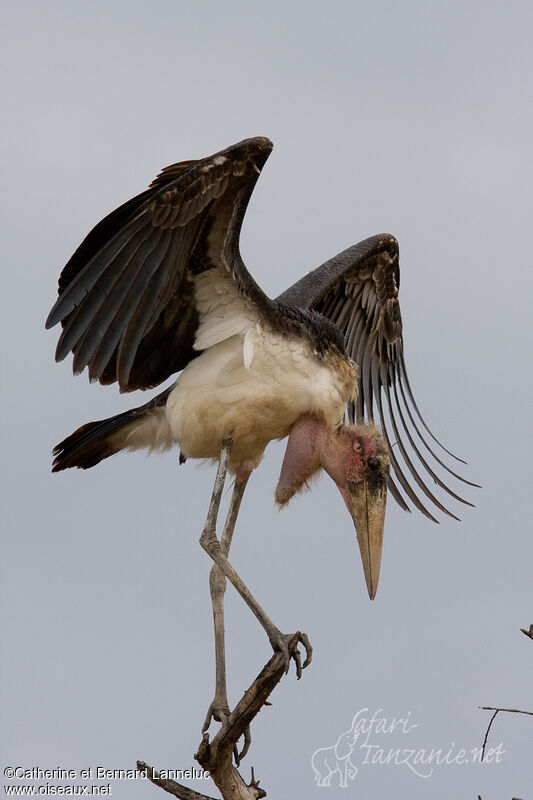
{"x": 245, "y": 747}
{"x": 280, "y": 642}
{"x": 298, "y": 662}
{"x": 217, "y": 711}
{"x": 304, "y": 639}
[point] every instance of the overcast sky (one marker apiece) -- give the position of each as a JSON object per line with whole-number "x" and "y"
{"x": 414, "y": 118}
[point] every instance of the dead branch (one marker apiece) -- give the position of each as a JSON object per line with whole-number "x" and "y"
{"x": 217, "y": 756}
{"x": 170, "y": 786}
{"x": 529, "y": 632}
{"x": 496, "y": 712}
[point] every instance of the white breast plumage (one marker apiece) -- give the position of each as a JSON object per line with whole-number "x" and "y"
{"x": 252, "y": 387}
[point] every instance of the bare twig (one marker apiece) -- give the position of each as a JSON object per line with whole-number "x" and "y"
{"x": 487, "y": 734}
{"x": 496, "y": 712}
{"x": 509, "y": 710}
{"x": 183, "y": 792}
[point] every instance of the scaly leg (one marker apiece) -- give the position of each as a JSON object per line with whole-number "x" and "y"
{"x": 212, "y": 546}
{"x": 217, "y": 585}
{"x": 219, "y": 708}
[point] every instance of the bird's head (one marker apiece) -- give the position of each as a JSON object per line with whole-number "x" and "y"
{"x": 356, "y": 458}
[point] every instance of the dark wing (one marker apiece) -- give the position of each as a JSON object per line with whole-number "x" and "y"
{"x": 358, "y": 291}
{"x": 126, "y": 296}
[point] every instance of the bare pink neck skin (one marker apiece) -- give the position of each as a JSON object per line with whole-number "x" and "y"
{"x": 312, "y": 445}
{"x": 302, "y": 457}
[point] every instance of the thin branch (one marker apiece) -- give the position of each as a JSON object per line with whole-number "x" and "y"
{"x": 487, "y": 733}
{"x": 183, "y": 792}
{"x": 509, "y": 710}
{"x": 496, "y": 712}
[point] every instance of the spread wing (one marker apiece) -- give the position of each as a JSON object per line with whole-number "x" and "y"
{"x": 126, "y": 297}
{"x": 358, "y": 291}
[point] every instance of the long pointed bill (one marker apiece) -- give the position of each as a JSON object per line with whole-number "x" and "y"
{"x": 366, "y": 502}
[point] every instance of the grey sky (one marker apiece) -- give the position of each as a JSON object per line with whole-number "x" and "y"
{"x": 414, "y": 118}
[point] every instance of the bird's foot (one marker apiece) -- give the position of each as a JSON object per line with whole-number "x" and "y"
{"x": 238, "y": 756}
{"x": 280, "y": 642}
{"x": 220, "y": 713}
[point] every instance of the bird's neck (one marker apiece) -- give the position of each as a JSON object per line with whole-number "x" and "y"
{"x": 311, "y": 445}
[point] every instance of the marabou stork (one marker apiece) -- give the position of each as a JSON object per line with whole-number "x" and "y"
{"x": 159, "y": 287}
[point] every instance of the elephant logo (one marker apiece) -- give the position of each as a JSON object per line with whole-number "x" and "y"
{"x": 333, "y": 760}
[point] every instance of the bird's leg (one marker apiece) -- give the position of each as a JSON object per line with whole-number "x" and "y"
{"x": 211, "y": 545}
{"x": 211, "y": 521}
{"x": 219, "y": 708}
{"x": 217, "y": 586}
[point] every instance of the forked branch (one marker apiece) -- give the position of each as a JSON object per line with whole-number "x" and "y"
{"x": 496, "y": 712}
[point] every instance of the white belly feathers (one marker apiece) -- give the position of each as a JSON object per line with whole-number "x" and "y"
{"x": 218, "y": 397}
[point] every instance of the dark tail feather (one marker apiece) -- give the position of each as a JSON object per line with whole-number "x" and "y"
{"x": 95, "y": 441}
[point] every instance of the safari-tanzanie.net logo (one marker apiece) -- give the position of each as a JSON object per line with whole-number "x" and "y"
{"x": 375, "y": 740}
